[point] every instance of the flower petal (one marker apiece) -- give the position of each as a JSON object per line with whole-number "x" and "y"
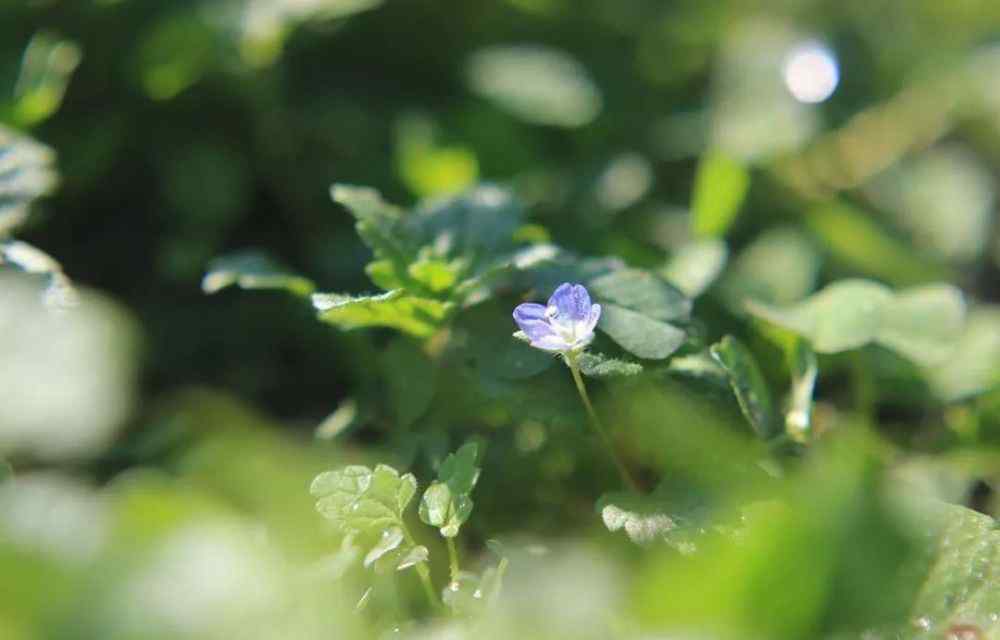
{"x": 592, "y": 318}
{"x": 551, "y": 342}
{"x": 530, "y": 317}
{"x": 529, "y": 311}
{"x": 571, "y": 301}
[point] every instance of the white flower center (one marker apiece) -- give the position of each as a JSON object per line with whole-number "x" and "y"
{"x": 564, "y": 328}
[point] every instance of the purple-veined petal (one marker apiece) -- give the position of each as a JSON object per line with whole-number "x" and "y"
{"x": 571, "y": 301}
{"x": 592, "y": 318}
{"x": 529, "y": 311}
{"x": 559, "y": 301}
{"x": 530, "y": 317}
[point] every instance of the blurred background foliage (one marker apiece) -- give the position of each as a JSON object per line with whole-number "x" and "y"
{"x": 161, "y": 442}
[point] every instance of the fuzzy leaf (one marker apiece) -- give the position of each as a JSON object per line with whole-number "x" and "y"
{"x": 596, "y": 365}
{"x": 664, "y": 515}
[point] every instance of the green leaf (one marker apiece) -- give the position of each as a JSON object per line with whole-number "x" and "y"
{"x": 390, "y": 541}
{"x": 427, "y": 168}
{"x": 477, "y": 226}
{"x": 446, "y": 503}
{"x": 719, "y": 190}
{"x": 700, "y": 367}
{"x": 384, "y": 274}
{"x": 665, "y": 515}
{"x": 368, "y": 504}
{"x": 643, "y": 292}
{"x": 637, "y": 306}
{"x": 974, "y": 366}
{"x": 961, "y": 585}
{"x": 537, "y": 84}
{"x": 410, "y": 377}
{"x": 435, "y": 506}
{"x": 780, "y": 267}
{"x": 922, "y": 323}
{"x": 27, "y": 173}
{"x": 845, "y": 315}
{"x": 551, "y": 266}
{"x": 47, "y": 65}
{"x": 695, "y": 266}
{"x": 253, "y": 269}
{"x": 6, "y": 471}
{"x": 358, "y": 499}
{"x": 378, "y": 222}
{"x": 597, "y": 365}
{"x": 642, "y": 520}
{"x": 436, "y": 275}
{"x": 396, "y": 309}
{"x": 447, "y": 248}
{"x": 415, "y": 556}
{"x": 859, "y": 243}
{"x": 638, "y": 334}
{"x": 59, "y": 292}
{"x": 748, "y": 385}
{"x": 459, "y": 469}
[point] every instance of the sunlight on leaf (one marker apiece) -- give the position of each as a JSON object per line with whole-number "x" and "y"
{"x": 535, "y": 83}
{"x": 922, "y": 323}
{"x": 446, "y": 504}
{"x": 638, "y": 334}
{"x": 417, "y": 316}
{"x": 26, "y": 173}
{"x": 252, "y": 269}
{"x": 47, "y": 65}
{"x": 719, "y": 189}
{"x": 695, "y": 266}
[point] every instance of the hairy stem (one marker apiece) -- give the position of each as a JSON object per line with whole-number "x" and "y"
{"x": 574, "y": 367}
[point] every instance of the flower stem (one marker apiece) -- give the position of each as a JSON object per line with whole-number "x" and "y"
{"x": 423, "y": 573}
{"x": 452, "y": 559}
{"x": 574, "y": 367}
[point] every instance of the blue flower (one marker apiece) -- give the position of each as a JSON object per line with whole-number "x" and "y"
{"x": 565, "y": 325}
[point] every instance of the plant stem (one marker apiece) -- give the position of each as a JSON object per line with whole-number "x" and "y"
{"x": 452, "y": 559}
{"x": 423, "y": 574}
{"x": 574, "y": 367}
